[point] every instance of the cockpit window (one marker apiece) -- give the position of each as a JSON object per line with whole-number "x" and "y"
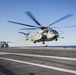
{"x": 54, "y": 31}
{"x": 47, "y": 31}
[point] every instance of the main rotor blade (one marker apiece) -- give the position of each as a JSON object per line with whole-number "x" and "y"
{"x": 64, "y": 27}
{"x": 33, "y": 18}
{"x": 23, "y": 33}
{"x": 22, "y": 24}
{"x": 28, "y": 29}
{"x": 69, "y": 15}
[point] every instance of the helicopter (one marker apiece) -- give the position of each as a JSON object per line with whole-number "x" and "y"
{"x": 4, "y": 44}
{"x": 46, "y": 33}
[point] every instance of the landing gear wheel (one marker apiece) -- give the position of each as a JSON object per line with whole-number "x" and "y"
{"x": 34, "y": 42}
{"x": 43, "y": 42}
{"x": 56, "y": 39}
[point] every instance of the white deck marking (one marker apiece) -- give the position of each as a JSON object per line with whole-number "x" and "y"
{"x": 44, "y": 56}
{"x": 4, "y": 53}
{"x": 41, "y": 56}
{"x": 40, "y": 65}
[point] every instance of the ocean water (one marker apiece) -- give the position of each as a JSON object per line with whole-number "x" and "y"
{"x": 49, "y": 47}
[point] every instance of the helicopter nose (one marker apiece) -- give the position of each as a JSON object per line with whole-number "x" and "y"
{"x": 56, "y": 35}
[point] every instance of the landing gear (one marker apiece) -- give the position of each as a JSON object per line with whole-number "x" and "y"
{"x": 56, "y": 39}
{"x": 43, "y": 42}
{"x": 6, "y": 45}
{"x": 34, "y": 42}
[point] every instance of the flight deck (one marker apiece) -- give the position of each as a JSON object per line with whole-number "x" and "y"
{"x": 17, "y": 61}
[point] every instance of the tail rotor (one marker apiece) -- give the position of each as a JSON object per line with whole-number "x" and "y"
{"x": 26, "y": 34}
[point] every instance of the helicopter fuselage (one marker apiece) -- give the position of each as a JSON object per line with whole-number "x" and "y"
{"x": 45, "y": 35}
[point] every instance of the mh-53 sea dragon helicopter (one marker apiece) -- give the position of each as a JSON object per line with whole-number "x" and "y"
{"x": 45, "y": 34}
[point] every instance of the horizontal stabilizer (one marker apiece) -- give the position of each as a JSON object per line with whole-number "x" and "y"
{"x": 24, "y": 33}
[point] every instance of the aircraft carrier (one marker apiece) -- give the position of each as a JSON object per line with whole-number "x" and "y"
{"x": 18, "y": 61}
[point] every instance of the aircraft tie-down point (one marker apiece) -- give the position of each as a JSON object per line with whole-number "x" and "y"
{"x": 46, "y": 33}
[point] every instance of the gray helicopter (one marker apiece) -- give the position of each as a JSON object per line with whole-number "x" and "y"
{"x": 4, "y": 44}
{"x": 46, "y": 33}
